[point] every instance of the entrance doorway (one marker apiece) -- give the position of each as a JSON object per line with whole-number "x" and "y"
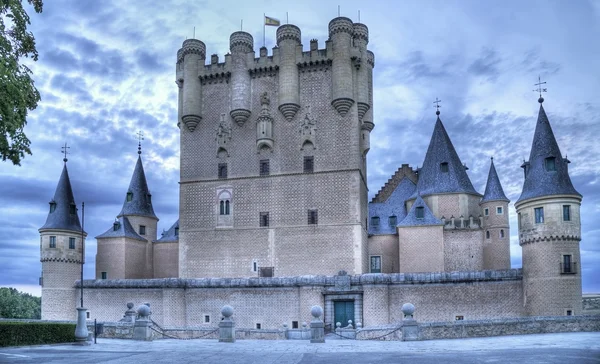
{"x": 343, "y": 311}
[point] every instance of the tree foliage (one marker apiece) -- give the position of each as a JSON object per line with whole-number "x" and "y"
{"x": 17, "y": 91}
{"x": 19, "y": 305}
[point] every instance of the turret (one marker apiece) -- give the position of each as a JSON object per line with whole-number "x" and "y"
{"x": 61, "y": 247}
{"x": 367, "y": 119}
{"x": 125, "y": 249}
{"x": 264, "y": 125}
{"x": 242, "y": 47}
{"x": 494, "y": 208}
{"x": 288, "y": 41}
{"x": 341, "y": 31}
{"x": 549, "y": 228}
{"x": 190, "y": 60}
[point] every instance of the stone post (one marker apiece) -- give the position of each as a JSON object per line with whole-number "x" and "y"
{"x": 141, "y": 328}
{"x": 227, "y": 326}
{"x": 317, "y": 326}
{"x": 129, "y": 314}
{"x": 410, "y": 327}
{"x": 81, "y": 331}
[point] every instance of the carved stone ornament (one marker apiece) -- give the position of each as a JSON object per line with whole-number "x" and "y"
{"x": 223, "y": 136}
{"x": 308, "y": 130}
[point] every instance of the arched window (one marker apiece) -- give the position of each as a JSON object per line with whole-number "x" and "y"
{"x": 226, "y": 207}
{"x": 222, "y": 208}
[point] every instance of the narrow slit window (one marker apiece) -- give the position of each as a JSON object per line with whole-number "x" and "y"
{"x": 227, "y": 207}
{"x": 566, "y": 212}
{"x": 539, "y": 215}
{"x": 222, "y": 170}
{"x": 487, "y": 234}
{"x": 501, "y": 233}
{"x": 313, "y": 217}
{"x": 309, "y": 164}
{"x": 264, "y": 167}
{"x": 53, "y": 242}
{"x": 264, "y": 219}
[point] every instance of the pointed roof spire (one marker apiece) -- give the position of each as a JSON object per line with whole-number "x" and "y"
{"x": 442, "y": 170}
{"x": 171, "y": 235}
{"x": 493, "y": 188}
{"x": 138, "y": 200}
{"x": 63, "y": 210}
{"x": 546, "y": 172}
{"x": 427, "y": 218}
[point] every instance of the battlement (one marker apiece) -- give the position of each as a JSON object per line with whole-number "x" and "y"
{"x": 241, "y": 42}
{"x": 288, "y": 32}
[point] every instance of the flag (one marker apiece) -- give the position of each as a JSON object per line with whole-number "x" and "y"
{"x": 272, "y": 21}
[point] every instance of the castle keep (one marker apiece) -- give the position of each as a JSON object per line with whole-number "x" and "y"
{"x": 274, "y": 209}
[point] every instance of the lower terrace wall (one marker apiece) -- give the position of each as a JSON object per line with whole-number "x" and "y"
{"x": 272, "y": 302}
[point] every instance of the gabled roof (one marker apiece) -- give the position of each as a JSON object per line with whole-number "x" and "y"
{"x": 405, "y": 171}
{"x": 539, "y": 181}
{"x": 394, "y": 205}
{"x": 141, "y": 203}
{"x": 428, "y": 217}
{"x": 60, "y": 216}
{"x": 124, "y": 230}
{"x": 171, "y": 235}
{"x": 431, "y": 178}
{"x": 493, "y": 188}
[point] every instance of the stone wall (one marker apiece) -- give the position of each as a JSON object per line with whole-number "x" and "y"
{"x": 272, "y": 302}
{"x": 421, "y": 249}
{"x": 463, "y": 250}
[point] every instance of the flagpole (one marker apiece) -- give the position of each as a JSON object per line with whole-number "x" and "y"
{"x": 264, "y": 26}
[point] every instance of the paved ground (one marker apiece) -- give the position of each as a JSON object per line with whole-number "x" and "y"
{"x": 566, "y": 348}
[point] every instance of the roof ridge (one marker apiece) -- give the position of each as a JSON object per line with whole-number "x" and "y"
{"x": 404, "y": 171}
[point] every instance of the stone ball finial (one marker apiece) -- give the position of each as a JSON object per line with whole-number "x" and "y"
{"x": 143, "y": 311}
{"x": 227, "y": 311}
{"x": 540, "y": 100}
{"x": 408, "y": 309}
{"x": 130, "y": 305}
{"x": 316, "y": 311}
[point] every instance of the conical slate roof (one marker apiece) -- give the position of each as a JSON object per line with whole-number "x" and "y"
{"x": 62, "y": 206}
{"x": 123, "y": 230}
{"x": 141, "y": 202}
{"x": 171, "y": 235}
{"x": 539, "y": 181}
{"x": 427, "y": 219}
{"x": 432, "y": 178}
{"x": 493, "y": 188}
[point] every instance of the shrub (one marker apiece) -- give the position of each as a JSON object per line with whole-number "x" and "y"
{"x": 35, "y": 333}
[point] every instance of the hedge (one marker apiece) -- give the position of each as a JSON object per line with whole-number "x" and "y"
{"x": 35, "y": 333}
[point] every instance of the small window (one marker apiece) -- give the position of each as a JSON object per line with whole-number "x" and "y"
{"x": 87, "y": 314}
{"x": 459, "y": 318}
{"x": 499, "y": 210}
{"x": 486, "y": 212}
{"x": 375, "y": 221}
{"x": 149, "y": 198}
{"x": 444, "y": 167}
{"x": 487, "y": 234}
{"x": 176, "y": 231}
{"x": 103, "y": 275}
{"x": 519, "y": 220}
{"x": 52, "y": 206}
{"x": 142, "y": 230}
{"x": 264, "y": 219}
{"x": 294, "y": 324}
{"x": 264, "y": 167}
{"x": 258, "y": 326}
{"x": 129, "y": 196}
{"x": 72, "y": 209}
{"x": 539, "y": 215}
{"x": 254, "y": 266}
{"x": 501, "y": 233}
{"x": 569, "y": 312}
{"x": 71, "y": 243}
{"x": 116, "y": 226}
{"x": 566, "y": 212}
{"x": 375, "y": 264}
{"x": 206, "y": 319}
{"x": 313, "y": 217}
{"x": 393, "y": 220}
{"x": 420, "y": 212}
{"x": 551, "y": 164}
{"x": 222, "y": 171}
{"x": 53, "y": 242}
{"x": 227, "y": 211}
{"x": 309, "y": 164}
{"x": 567, "y": 265}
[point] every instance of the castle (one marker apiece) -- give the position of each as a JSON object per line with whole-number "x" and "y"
{"x": 274, "y": 209}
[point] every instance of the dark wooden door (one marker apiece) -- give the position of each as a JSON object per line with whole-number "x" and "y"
{"x": 343, "y": 311}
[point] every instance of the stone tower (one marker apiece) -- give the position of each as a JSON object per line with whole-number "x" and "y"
{"x": 61, "y": 248}
{"x": 549, "y": 228}
{"x": 494, "y": 210}
{"x": 125, "y": 250}
{"x": 273, "y": 179}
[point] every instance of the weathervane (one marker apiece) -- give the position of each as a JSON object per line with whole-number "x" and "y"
{"x": 437, "y": 106}
{"x": 540, "y": 89}
{"x": 65, "y": 152}
{"x": 140, "y": 138}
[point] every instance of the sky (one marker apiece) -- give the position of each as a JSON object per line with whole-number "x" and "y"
{"x": 106, "y": 70}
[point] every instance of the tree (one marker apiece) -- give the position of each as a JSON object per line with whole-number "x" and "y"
{"x": 17, "y": 91}
{"x": 19, "y": 305}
